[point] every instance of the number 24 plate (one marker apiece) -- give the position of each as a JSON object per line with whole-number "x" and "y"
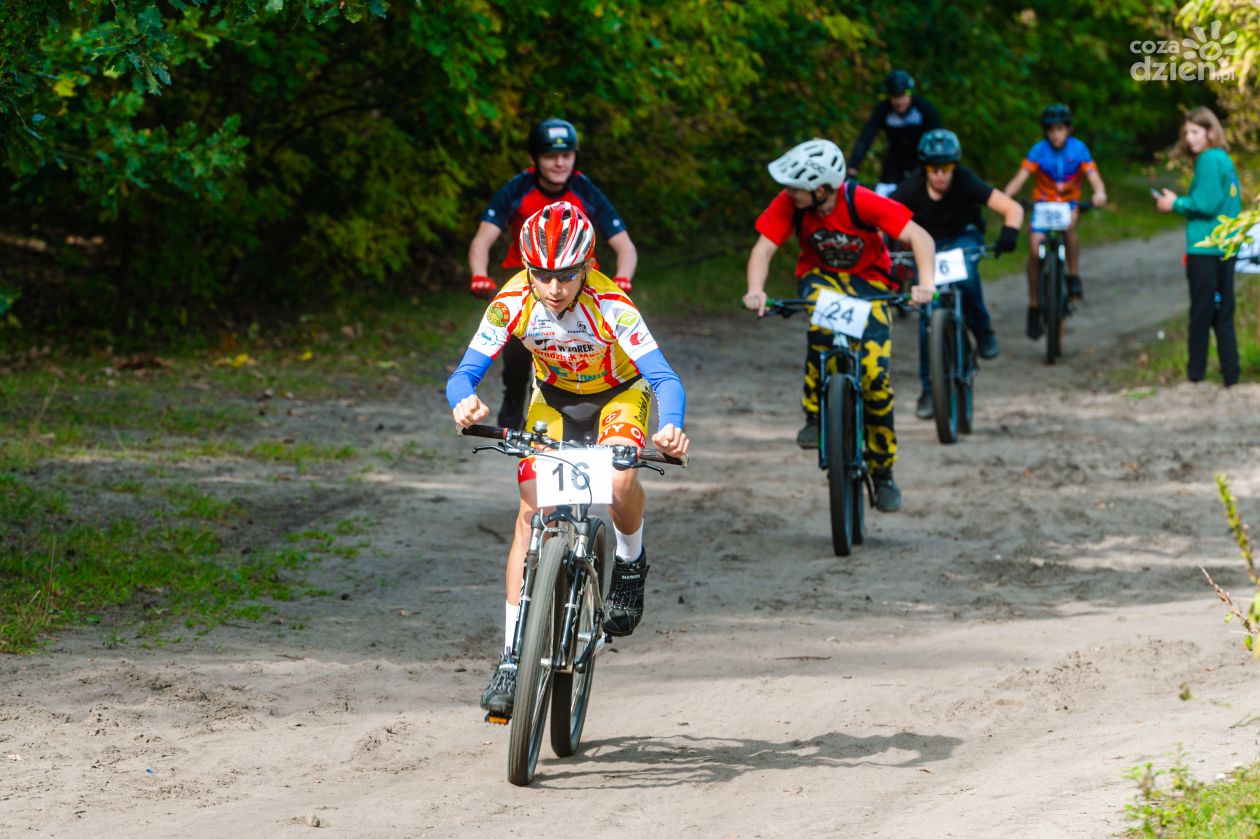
{"x": 838, "y": 312}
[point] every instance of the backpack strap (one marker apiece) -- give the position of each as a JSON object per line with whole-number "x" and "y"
{"x": 850, "y": 189}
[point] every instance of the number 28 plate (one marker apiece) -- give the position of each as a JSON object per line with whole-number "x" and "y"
{"x": 576, "y": 476}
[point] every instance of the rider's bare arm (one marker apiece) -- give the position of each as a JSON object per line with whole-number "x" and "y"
{"x": 1008, "y": 208}
{"x": 627, "y": 254}
{"x": 479, "y": 249}
{"x": 1099, "y": 196}
{"x": 758, "y": 271}
{"x": 1017, "y": 183}
{"x": 920, "y": 242}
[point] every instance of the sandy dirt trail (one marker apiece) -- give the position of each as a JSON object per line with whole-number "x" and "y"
{"x": 991, "y": 661}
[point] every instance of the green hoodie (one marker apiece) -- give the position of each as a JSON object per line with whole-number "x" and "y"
{"x": 1214, "y": 192}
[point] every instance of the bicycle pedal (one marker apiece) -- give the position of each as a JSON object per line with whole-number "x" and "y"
{"x": 497, "y": 719}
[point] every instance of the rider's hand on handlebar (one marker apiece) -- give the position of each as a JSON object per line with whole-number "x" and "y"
{"x": 921, "y": 295}
{"x": 756, "y": 301}
{"x": 671, "y": 440}
{"x": 1098, "y": 199}
{"x": 470, "y": 411}
{"x": 481, "y": 286}
{"x": 1007, "y": 240}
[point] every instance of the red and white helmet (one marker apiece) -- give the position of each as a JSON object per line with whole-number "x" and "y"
{"x": 556, "y": 237}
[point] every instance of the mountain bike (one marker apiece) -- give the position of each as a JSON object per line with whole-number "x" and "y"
{"x": 841, "y": 443}
{"x": 952, "y": 364}
{"x": 559, "y": 630}
{"x": 1052, "y": 295}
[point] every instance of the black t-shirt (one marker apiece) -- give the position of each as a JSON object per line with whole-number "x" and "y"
{"x": 958, "y": 208}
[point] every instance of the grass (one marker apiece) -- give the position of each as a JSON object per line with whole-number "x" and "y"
{"x": 1171, "y": 804}
{"x": 62, "y": 566}
{"x": 1163, "y": 360}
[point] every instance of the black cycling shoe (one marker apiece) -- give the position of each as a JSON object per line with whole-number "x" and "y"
{"x": 500, "y": 693}
{"x": 987, "y": 345}
{"x": 807, "y": 437}
{"x": 1076, "y": 288}
{"x": 1033, "y": 328}
{"x": 887, "y": 493}
{"x": 923, "y": 408}
{"x": 624, "y": 603}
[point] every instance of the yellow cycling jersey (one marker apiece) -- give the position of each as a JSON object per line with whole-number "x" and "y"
{"x": 590, "y": 347}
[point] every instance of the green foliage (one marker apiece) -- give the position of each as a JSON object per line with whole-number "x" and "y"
{"x": 187, "y": 161}
{"x": 1170, "y": 803}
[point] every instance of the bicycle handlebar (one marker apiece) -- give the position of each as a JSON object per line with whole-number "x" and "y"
{"x": 906, "y": 258}
{"x": 526, "y": 443}
{"x": 790, "y": 306}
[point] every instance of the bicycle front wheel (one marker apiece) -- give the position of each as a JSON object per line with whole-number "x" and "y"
{"x": 571, "y": 691}
{"x": 942, "y": 361}
{"x": 1052, "y": 305}
{"x": 533, "y": 677}
{"x": 966, "y": 384}
{"x": 839, "y": 481}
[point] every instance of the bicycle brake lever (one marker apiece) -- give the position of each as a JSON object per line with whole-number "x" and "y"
{"x": 651, "y": 466}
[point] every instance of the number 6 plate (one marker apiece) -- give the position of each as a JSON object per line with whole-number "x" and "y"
{"x": 838, "y": 312}
{"x": 951, "y": 266}
{"x": 576, "y": 476}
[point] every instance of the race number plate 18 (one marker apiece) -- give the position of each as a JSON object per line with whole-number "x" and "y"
{"x": 1052, "y": 215}
{"x": 951, "y": 266}
{"x": 838, "y": 312}
{"x": 577, "y": 476}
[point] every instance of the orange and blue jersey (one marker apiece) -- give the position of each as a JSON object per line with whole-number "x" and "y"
{"x": 1058, "y": 173}
{"x": 597, "y": 344}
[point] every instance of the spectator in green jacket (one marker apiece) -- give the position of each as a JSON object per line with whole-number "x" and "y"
{"x": 1214, "y": 192}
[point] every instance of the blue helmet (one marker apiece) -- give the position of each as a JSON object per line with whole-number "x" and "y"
{"x": 940, "y": 146}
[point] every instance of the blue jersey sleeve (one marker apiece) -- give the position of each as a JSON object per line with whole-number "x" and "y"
{"x": 499, "y": 211}
{"x": 463, "y": 382}
{"x": 601, "y": 211}
{"x": 671, "y": 399}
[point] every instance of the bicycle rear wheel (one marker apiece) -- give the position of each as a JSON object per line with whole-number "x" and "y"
{"x": 571, "y": 692}
{"x": 966, "y": 384}
{"x": 942, "y": 360}
{"x": 1052, "y": 304}
{"x": 839, "y": 481}
{"x": 533, "y": 678}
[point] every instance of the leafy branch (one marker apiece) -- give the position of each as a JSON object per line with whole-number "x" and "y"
{"x": 1242, "y": 537}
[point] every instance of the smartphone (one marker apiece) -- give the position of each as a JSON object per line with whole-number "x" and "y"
{"x": 1156, "y": 193}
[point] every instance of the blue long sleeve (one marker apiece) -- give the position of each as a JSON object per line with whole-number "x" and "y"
{"x": 670, "y": 397}
{"x": 463, "y": 382}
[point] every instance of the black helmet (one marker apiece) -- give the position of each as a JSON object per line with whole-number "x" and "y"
{"x": 940, "y": 146}
{"x": 552, "y": 135}
{"x": 1056, "y": 115}
{"x": 898, "y": 83}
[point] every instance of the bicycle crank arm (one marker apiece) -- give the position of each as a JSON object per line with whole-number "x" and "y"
{"x": 592, "y": 649}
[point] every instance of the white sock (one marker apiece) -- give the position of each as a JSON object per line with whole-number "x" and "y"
{"x": 629, "y": 545}
{"x": 510, "y": 612}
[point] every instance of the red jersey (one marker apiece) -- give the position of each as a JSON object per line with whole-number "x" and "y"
{"x": 835, "y": 242}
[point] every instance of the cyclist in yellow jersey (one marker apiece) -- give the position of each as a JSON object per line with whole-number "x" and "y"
{"x": 594, "y": 360}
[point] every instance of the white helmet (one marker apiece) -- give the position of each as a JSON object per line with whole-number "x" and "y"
{"x": 810, "y": 165}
